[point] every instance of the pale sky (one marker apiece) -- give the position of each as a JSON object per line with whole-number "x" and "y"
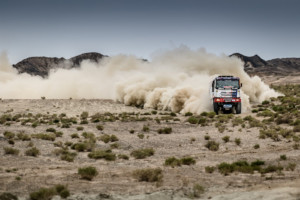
{"x": 66, "y": 28}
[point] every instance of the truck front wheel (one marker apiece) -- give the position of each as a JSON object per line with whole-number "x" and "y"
{"x": 238, "y": 108}
{"x": 216, "y": 108}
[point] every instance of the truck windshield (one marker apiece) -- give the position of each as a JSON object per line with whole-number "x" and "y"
{"x": 227, "y": 84}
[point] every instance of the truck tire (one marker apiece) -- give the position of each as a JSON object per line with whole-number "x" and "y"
{"x": 238, "y": 108}
{"x": 216, "y": 108}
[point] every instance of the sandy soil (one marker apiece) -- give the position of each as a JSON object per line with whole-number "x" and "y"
{"x": 115, "y": 177}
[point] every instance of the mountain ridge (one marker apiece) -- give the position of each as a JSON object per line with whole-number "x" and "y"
{"x": 253, "y": 65}
{"x": 41, "y": 65}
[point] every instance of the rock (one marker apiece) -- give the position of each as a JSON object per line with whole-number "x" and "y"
{"x": 41, "y": 66}
{"x": 255, "y": 65}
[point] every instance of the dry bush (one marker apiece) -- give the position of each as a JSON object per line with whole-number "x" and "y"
{"x": 148, "y": 175}
{"x": 142, "y": 153}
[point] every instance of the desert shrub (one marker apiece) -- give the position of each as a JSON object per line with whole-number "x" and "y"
{"x": 284, "y": 119}
{"x": 51, "y": 130}
{"x": 296, "y": 122}
{"x": 66, "y": 125}
{"x": 35, "y": 124}
{"x": 237, "y": 141}
{"x": 79, "y": 128}
{"x": 142, "y": 153}
{"x": 23, "y": 137}
{"x": 84, "y": 115}
{"x": 123, "y": 156}
{"x": 211, "y": 114}
{"x": 11, "y": 151}
{"x": 209, "y": 169}
{"x": 105, "y": 138}
{"x": 11, "y": 141}
{"x": 30, "y": 144}
{"x": 84, "y": 121}
{"x": 109, "y": 138}
{"x": 188, "y": 114}
{"x": 255, "y": 123}
{"x": 114, "y": 138}
{"x": 87, "y": 173}
{"x": 80, "y": 147}
{"x": 145, "y": 128}
{"x": 166, "y": 130}
{"x": 212, "y": 145}
{"x": 75, "y": 135}
{"x": 237, "y": 121}
{"x": 32, "y": 152}
{"x": 43, "y": 194}
{"x": 193, "y": 120}
{"x": 131, "y": 131}
{"x": 44, "y": 136}
{"x": 173, "y": 162}
{"x": 248, "y": 118}
{"x": 257, "y": 163}
{"x": 291, "y": 167}
{"x": 48, "y": 193}
{"x": 102, "y": 154}
{"x": 266, "y": 113}
{"x": 223, "y": 118}
{"x": 283, "y": 157}
{"x": 265, "y": 102}
{"x": 148, "y": 175}
{"x": 9, "y": 135}
{"x": 296, "y": 128}
{"x": 100, "y": 127}
{"x": 256, "y": 146}
{"x": 114, "y": 145}
{"x": 68, "y": 143}
{"x": 68, "y": 156}
{"x": 193, "y": 140}
{"x": 141, "y": 135}
{"x": 271, "y": 133}
{"x": 226, "y": 138}
{"x": 87, "y": 135}
{"x": 187, "y": 161}
{"x": 271, "y": 168}
{"x": 204, "y": 114}
{"x": 198, "y": 190}
{"x": 207, "y": 137}
{"x": 8, "y": 196}
{"x": 244, "y": 167}
{"x": 240, "y": 166}
{"x": 59, "y": 134}
{"x": 221, "y": 129}
{"x": 296, "y": 138}
{"x": 62, "y": 191}
{"x": 286, "y": 133}
{"x": 153, "y": 112}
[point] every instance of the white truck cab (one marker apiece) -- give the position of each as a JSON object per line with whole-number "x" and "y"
{"x": 225, "y": 94}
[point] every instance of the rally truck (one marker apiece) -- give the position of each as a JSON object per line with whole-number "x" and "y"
{"x": 226, "y": 94}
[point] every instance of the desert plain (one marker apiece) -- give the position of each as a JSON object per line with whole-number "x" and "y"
{"x": 254, "y": 155}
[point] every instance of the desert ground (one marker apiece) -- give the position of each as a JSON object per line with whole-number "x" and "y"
{"x": 58, "y": 127}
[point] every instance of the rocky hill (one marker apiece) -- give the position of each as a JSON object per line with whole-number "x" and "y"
{"x": 255, "y": 65}
{"x": 41, "y": 66}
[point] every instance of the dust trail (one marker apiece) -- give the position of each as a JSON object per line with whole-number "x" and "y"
{"x": 176, "y": 80}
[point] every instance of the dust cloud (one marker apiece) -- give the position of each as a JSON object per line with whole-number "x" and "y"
{"x": 176, "y": 80}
